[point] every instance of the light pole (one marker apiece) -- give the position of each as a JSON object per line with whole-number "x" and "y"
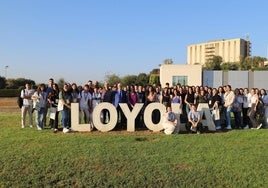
{"x": 6, "y": 67}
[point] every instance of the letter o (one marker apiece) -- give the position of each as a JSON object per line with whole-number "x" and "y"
{"x": 148, "y": 114}
{"x": 97, "y": 120}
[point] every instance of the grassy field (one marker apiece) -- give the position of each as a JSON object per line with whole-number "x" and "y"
{"x": 31, "y": 158}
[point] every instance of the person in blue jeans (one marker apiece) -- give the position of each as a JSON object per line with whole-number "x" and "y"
{"x": 66, "y": 99}
{"x": 40, "y": 104}
{"x": 229, "y": 98}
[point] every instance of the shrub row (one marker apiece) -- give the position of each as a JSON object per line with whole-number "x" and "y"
{"x": 9, "y": 92}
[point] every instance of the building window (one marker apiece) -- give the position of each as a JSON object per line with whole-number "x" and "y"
{"x": 183, "y": 80}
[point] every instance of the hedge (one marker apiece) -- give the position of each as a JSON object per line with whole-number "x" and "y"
{"x": 9, "y": 92}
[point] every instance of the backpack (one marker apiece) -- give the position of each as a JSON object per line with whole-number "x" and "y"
{"x": 20, "y": 100}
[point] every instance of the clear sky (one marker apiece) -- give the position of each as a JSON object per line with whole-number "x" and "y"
{"x": 81, "y": 40}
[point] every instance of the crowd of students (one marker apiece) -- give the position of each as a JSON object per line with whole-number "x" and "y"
{"x": 250, "y": 109}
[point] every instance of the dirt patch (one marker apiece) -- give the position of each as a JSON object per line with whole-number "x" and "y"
{"x": 8, "y": 105}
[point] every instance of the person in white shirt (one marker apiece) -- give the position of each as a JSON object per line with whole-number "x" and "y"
{"x": 229, "y": 98}
{"x": 27, "y": 107}
{"x": 169, "y": 121}
{"x": 253, "y": 109}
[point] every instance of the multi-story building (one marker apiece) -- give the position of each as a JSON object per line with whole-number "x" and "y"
{"x": 230, "y": 50}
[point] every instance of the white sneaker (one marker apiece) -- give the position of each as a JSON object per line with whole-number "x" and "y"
{"x": 22, "y": 126}
{"x": 218, "y": 128}
{"x": 259, "y": 126}
{"x": 65, "y": 130}
{"x": 246, "y": 127}
{"x": 31, "y": 126}
{"x": 39, "y": 128}
{"x": 229, "y": 127}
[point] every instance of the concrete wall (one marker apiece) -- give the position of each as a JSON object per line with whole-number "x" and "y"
{"x": 212, "y": 78}
{"x": 260, "y": 79}
{"x": 237, "y": 79}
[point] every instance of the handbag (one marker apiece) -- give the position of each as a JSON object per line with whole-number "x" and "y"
{"x": 216, "y": 113}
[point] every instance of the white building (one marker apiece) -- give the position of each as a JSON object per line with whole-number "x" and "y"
{"x": 183, "y": 74}
{"x": 230, "y": 50}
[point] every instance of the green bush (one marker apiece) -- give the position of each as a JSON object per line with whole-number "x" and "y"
{"x": 9, "y": 92}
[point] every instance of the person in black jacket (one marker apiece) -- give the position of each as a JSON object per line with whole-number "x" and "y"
{"x": 107, "y": 96}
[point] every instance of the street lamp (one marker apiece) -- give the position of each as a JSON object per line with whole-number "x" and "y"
{"x": 6, "y": 67}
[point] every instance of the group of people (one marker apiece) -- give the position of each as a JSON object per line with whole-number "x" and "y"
{"x": 250, "y": 109}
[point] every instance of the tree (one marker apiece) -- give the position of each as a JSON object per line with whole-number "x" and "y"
{"x": 112, "y": 79}
{"x": 129, "y": 80}
{"x": 3, "y": 82}
{"x": 167, "y": 61}
{"x": 214, "y": 63}
{"x": 19, "y": 82}
{"x": 155, "y": 71}
{"x": 154, "y": 79}
{"x": 252, "y": 63}
{"x": 142, "y": 79}
{"x": 229, "y": 66}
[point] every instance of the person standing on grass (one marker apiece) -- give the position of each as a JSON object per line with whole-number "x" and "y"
{"x": 252, "y": 112}
{"x": 120, "y": 97}
{"x": 264, "y": 98}
{"x": 246, "y": 101}
{"x": 27, "y": 107}
{"x": 215, "y": 106}
{"x": 132, "y": 99}
{"x": 53, "y": 100}
{"x": 141, "y": 99}
{"x": 150, "y": 98}
{"x": 229, "y": 98}
{"x": 66, "y": 99}
{"x": 237, "y": 109}
{"x": 48, "y": 89}
{"x": 165, "y": 97}
{"x": 40, "y": 105}
{"x": 85, "y": 105}
{"x": 194, "y": 120}
{"x": 176, "y": 102}
{"x": 75, "y": 93}
{"x": 107, "y": 96}
{"x": 189, "y": 99}
{"x": 96, "y": 100}
{"x": 169, "y": 121}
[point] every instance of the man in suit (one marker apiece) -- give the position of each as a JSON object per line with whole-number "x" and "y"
{"x": 120, "y": 96}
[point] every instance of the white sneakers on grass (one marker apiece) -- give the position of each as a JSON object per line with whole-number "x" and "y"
{"x": 65, "y": 130}
{"x": 259, "y": 126}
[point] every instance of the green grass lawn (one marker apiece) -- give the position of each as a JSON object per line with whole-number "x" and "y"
{"x": 31, "y": 158}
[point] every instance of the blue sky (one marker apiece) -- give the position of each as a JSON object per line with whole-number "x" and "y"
{"x": 82, "y": 40}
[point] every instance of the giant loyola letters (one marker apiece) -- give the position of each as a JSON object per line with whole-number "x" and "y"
{"x": 130, "y": 115}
